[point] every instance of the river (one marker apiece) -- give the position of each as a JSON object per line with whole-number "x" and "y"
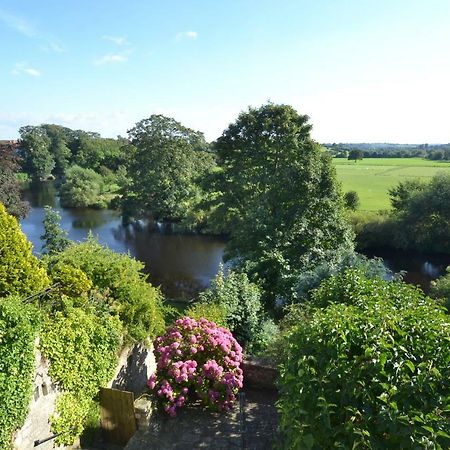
{"x": 182, "y": 265}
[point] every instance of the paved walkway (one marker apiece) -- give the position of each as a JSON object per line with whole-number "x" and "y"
{"x": 194, "y": 428}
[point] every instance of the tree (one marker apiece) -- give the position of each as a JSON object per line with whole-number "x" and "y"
{"x": 20, "y": 272}
{"x": 10, "y": 194}
{"x": 81, "y": 188}
{"x": 278, "y": 193}
{"x": 355, "y": 155}
{"x": 351, "y": 200}
{"x": 55, "y": 238}
{"x": 35, "y": 145}
{"x": 402, "y": 193}
{"x": 165, "y": 160}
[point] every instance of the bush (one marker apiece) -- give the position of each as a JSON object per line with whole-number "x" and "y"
{"x": 20, "y": 272}
{"x": 351, "y": 200}
{"x": 121, "y": 280}
{"x": 369, "y": 368}
{"x": 441, "y": 289}
{"x": 212, "y": 311}
{"x": 196, "y": 360}
{"x": 18, "y": 329}
{"x": 82, "y": 347}
{"x": 241, "y": 300}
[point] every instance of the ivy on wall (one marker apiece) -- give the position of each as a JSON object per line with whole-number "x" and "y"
{"x": 19, "y": 325}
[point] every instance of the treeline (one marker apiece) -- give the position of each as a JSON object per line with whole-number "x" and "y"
{"x": 433, "y": 152}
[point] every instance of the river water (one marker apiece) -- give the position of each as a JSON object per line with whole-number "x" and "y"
{"x": 181, "y": 265}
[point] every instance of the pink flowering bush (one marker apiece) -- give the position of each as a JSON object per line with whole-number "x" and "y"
{"x": 196, "y": 360}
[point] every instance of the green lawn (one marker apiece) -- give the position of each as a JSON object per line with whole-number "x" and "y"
{"x": 371, "y": 178}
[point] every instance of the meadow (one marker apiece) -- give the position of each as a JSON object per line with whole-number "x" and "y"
{"x": 371, "y": 178}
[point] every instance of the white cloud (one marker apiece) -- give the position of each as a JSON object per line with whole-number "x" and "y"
{"x": 23, "y": 68}
{"x": 26, "y": 28}
{"x": 118, "y": 40}
{"x": 110, "y": 58}
{"x": 18, "y": 24}
{"x": 186, "y": 35}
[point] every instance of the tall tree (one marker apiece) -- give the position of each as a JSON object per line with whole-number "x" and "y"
{"x": 54, "y": 237}
{"x": 35, "y": 148}
{"x": 278, "y": 193}
{"x": 9, "y": 184}
{"x": 165, "y": 158}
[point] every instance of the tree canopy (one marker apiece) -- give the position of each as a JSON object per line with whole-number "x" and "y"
{"x": 166, "y": 158}
{"x": 278, "y": 194}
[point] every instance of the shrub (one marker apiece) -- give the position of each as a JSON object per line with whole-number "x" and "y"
{"x": 441, "y": 289}
{"x": 351, "y": 200}
{"x": 368, "y": 368}
{"x": 241, "y": 300}
{"x": 212, "y": 311}
{"x": 196, "y": 360}
{"x": 18, "y": 328}
{"x": 20, "y": 272}
{"x": 121, "y": 280}
{"x": 82, "y": 347}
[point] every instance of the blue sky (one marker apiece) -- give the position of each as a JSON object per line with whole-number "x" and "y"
{"x": 363, "y": 70}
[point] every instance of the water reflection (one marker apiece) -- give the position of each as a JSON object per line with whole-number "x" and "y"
{"x": 182, "y": 265}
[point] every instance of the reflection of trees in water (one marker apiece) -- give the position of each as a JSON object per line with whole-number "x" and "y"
{"x": 42, "y": 193}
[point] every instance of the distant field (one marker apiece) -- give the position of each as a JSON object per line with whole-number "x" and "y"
{"x": 371, "y": 178}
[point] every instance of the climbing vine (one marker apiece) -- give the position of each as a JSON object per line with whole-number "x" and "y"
{"x": 19, "y": 324}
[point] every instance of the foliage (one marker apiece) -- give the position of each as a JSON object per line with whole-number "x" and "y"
{"x": 34, "y": 145}
{"x": 441, "y": 289}
{"x": 165, "y": 160}
{"x": 351, "y": 200}
{"x": 10, "y": 185}
{"x": 424, "y": 217}
{"x": 241, "y": 301}
{"x": 82, "y": 188}
{"x": 20, "y": 271}
{"x": 120, "y": 279}
{"x": 367, "y": 368}
{"x": 18, "y": 329}
{"x": 214, "y": 312}
{"x": 196, "y": 359}
{"x": 308, "y": 280}
{"x": 54, "y": 237}
{"x": 355, "y": 155}
{"x": 82, "y": 347}
{"x": 277, "y": 192}
{"x": 401, "y": 194}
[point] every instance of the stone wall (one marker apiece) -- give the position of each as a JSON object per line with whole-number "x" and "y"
{"x": 133, "y": 370}
{"x": 42, "y": 406}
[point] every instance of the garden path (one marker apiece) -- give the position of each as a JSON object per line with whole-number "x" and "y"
{"x": 194, "y": 428}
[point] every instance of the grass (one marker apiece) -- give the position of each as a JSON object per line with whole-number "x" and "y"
{"x": 371, "y": 178}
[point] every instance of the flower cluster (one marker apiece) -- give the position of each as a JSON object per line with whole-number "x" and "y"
{"x": 196, "y": 360}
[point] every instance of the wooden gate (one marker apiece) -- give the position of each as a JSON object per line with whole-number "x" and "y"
{"x": 117, "y": 415}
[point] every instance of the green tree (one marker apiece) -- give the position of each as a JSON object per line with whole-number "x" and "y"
{"x": 355, "y": 155}
{"x": 165, "y": 159}
{"x": 441, "y": 289}
{"x": 401, "y": 194}
{"x": 81, "y": 188}
{"x": 10, "y": 194}
{"x": 35, "y": 145}
{"x": 54, "y": 237}
{"x": 351, "y": 200}
{"x": 277, "y": 192}
{"x": 20, "y": 272}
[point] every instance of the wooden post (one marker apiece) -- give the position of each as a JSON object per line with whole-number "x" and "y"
{"x": 117, "y": 415}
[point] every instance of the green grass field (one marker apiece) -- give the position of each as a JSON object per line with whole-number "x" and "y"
{"x": 371, "y": 178}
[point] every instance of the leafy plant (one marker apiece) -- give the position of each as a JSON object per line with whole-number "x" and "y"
{"x": 19, "y": 325}
{"x": 196, "y": 360}
{"x": 20, "y": 272}
{"x": 241, "y": 301}
{"x": 82, "y": 348}
{"x": 121, "y": 280}
{"x": 367, "y": 368}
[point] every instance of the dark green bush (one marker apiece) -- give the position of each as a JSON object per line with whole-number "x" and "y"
{"x": 18, "y": 329}
{"x": 368, "y": 367}
{"x": 440, "y": 289}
